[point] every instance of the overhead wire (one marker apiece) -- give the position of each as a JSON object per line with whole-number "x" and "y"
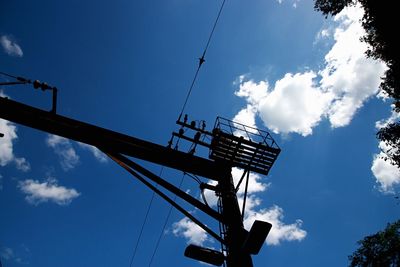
{"x": 144, "y": 223}
{"x": 165, "y": 224}
{"x": 194, "y": 177}
{"x": 19, "y": 80}
{"x": 201, "y": 59}
{"x": 8, "y": 75}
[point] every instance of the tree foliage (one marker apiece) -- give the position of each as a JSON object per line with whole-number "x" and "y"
{"x": 380, "y": 249}
{"x": 379, "y": 21}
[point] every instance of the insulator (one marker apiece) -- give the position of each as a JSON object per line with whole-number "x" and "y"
{"x": 36, "y": 84}
{"x": 197, "y": 136}
{"x": 44, "y": 86}
{"x": 203, "y": 125}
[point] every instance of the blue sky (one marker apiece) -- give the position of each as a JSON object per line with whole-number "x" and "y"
{"x": 127, "y": 65}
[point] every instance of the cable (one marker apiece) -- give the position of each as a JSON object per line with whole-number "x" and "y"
{"x": 213, "y": 29}
{"x": 8, "y": 75}
{"x": 165, "y": 224}
{"x": 20, "y": 80}
{"x": 204, "y": 197}
{"x": 202, "y": 59}
{"x": 144, "y": 223}
{"x": 195, "y": 178}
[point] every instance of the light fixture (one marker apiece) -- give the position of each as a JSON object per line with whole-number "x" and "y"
{"x": 256, "y": 237}
{"x": 205, "y": 255}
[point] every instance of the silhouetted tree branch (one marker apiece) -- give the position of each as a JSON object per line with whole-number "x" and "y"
{"x": 380, "y": 249}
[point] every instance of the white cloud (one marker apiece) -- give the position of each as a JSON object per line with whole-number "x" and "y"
{"x": 37, "y": 192}
{"x": 22, "y": 164}
{"x": 10, "y": 46}
{"x": 252, "y": 92}
{"x": 189, "y": 230}
{"x": 95, "y": 151}
{"x": 294, "y": 105}
{"x": 298, "y": 102}
{"x": 247, "y": 117}
{"x": 280, "y": 231}
{"x": 322, "y": 35}
{"x": 63, "y": 148}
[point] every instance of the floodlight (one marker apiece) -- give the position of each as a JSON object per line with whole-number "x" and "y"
{"x": 205, "y": 255}
{"x": 256, "y": 237}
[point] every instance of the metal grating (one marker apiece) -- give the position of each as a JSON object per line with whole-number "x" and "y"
{"x": 243, "y": 146}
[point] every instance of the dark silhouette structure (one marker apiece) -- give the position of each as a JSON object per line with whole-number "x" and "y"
{"x": 230, "y": 144}
{"x": 380, "y": 249}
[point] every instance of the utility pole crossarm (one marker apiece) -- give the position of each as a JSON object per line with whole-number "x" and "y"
{"x": 107, "y": 140}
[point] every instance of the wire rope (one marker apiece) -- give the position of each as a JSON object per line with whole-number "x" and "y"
{"x": 202, "y": 59}
{"x": 144, "y": 223}
{"x": 165, "y": 224}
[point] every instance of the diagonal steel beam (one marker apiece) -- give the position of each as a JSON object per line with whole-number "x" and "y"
{"x": 170, "y": 187}
{"x": 116, "y": 158}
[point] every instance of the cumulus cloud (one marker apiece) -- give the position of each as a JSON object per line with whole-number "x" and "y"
{"x": 294, "y": 105}
{"x": 38, "y": 192}
{"x": 22, "y": 164}
{"x": 10, "y": 46}
{"x": 349, "y": 74}
{"x": 95, "y": 151}
{"x": 190, "y": 231}
{"x": 298, "y": 102}
{"x": 69, "y": 159}
{"x": 247, "y": 117}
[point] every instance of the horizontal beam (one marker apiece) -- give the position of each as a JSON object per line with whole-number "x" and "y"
{"x": 108, "y": 140}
